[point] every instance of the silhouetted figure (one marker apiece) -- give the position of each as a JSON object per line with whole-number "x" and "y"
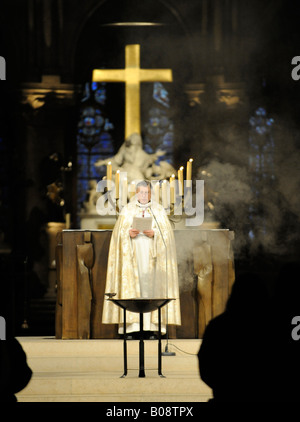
{"x": 286, "y": 306}
{"x": 15, "y": 373}
{"x": 235, "y": 350}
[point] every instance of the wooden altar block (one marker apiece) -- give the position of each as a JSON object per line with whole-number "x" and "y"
{"x": 187, "y": 287}
{"x": 213, "y": 292}
{"x": 204, "y": 299}
{"x": 101, "y": 241}
{"x": 58, "y": 308}
{"x": 69, "y": 284}
{"x": 222, "y": 282}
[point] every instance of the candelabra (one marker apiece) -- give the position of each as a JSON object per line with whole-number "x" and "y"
{"x": 173, "y": 194}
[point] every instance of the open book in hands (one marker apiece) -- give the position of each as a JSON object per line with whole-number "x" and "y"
{"x": 142, "y": 223}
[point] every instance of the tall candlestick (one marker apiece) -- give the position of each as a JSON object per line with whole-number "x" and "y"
{"x": 172, "y": 189}
{"x": 68, "y": 220}
{"x": 156, "y": 192}
{"x": 189, "y": 173}
{"x": 180, "y": 181}
{"x": 109, "y": 175}
{"x": 132, "y": 189}
{"x": 164, "y": 194}
{"x": 117, "y": 184}
{"x": 124, "y": 191}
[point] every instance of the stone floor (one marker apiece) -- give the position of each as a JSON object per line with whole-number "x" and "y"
{"x": 91, "y": 370}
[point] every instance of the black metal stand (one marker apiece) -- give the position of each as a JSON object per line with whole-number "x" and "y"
{"x": 141, "y": 348}
{"x": 125, "y": 346}
{"x": 142, "y": 306}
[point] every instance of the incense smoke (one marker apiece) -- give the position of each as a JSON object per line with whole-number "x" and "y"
{"x": 262, "y": 209}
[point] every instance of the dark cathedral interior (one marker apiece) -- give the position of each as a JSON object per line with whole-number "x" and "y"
{"x": 233, "y": 106}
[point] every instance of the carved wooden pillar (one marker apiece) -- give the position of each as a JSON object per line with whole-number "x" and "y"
{"x": 85, "y": 261}
{"x": 59, "y": 268}
{"x": 53, "y": 228}
{"x": 204, "y": 271}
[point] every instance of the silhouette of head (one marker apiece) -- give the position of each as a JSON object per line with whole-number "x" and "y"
{"x": 248, "y": 296}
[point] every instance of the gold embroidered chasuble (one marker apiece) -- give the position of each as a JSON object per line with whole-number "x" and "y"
{"x": 123, "y": 270}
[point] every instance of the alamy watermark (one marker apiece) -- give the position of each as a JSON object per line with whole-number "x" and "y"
{"x": 2, "y": 69}
{"x": 295, "y": 333}
{"x": 176, "y": 198}
{"x": 2, "y": 328}
{"x": 296, "y": 69}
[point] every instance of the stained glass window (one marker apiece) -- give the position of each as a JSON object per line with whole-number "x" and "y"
{"x": 158, "y": 126}
{"x": 94, "y": 141}
{"x": 261, "y": 158}
{"x": 261, "y": 166}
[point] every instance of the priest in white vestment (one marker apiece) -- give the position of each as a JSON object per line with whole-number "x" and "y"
{"x": 142, "y": 265}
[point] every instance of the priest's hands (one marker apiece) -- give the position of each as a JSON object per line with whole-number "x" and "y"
{"x": 133, "y": 233}
{"x": 149, "y": 233}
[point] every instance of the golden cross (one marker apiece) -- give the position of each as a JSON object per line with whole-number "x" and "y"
{"x": 132, "y": 75}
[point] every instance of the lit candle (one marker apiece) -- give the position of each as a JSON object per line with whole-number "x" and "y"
{"x": 189, "y": 173}
{"x": 132, "y": 189}
{"x": 68, "y": 220}
{"x": 124, "y": 191}
{"x": 180, "y": 181}
{"x": 117, "y": 183}
{"x": 109, "y": 175}
{"x": 164, "y": 194}
{"x": 172, "y": 189}
{"x": 156, "y": 192}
